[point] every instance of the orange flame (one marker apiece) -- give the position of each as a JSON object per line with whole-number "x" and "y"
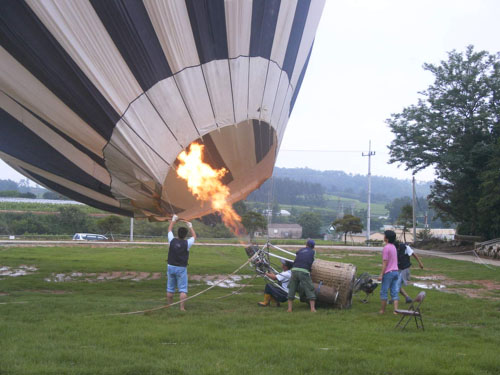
{"x": 205, "y": 184}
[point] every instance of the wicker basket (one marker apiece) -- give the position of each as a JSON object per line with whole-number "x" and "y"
{"x": 333, "y": 278}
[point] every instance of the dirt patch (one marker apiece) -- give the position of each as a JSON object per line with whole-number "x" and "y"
{"x": 21, "y": 270}
{"x": 462, "y": 287}
{"x": 230, "y": 282}
{"x": 359, "y": 255}
{"x": 335, "y": 256}
{"x": 103, "y": 276}
{"x": 488, "y": 284}
{"x": 430, "y": 277}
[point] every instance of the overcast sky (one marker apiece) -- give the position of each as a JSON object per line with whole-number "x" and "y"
{"x": 366, "y": 64}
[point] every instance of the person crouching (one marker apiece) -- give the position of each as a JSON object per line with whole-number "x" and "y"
{"x": 272, "y": 293}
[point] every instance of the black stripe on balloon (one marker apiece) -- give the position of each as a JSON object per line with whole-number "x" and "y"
{"x": 42, "y": 155}
{"x": 76, "y": 144}
{"x": 214, "y": 159}
{"x": 299, "y": 21}
{"x": 77, "y": 196}
{"x": 130, "y": 27}
{"x": 208, "y": 23}
{"x": 263, "y": 139}
{"x": 25, "y": 37}
{"x": 264, "y": 20}
{"x": 299, "y": 82}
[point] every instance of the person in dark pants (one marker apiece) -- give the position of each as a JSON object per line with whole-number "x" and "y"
{"x": 404, "y": 264}
{"x": 301, "y": 276}
{"x": 272, "y": 293}
{"x": 178, "y": 255}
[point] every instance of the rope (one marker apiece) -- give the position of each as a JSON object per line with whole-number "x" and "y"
{"x": 237, "y": 291}
{"x": 269, "y": 198}
{"x": 187, "y": 299}
{"x": 483, "y": 262}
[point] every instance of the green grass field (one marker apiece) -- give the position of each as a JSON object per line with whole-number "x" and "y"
{"x": 67, "y": 327}
{"x": 376, "y": 208}
{"x": 46, "y": 207}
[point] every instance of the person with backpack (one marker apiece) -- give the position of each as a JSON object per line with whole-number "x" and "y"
{"x": 404, "y": 264}
{"x": 178, "y": 255}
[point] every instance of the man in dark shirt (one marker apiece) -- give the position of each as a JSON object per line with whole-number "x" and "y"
{"x": 178, "y": 255}
{"x": 301, "y": 276}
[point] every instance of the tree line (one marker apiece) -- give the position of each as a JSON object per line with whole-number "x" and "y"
{"x": 455, "y": 128}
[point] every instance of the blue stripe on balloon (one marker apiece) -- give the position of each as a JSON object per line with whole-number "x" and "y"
{"x": 129, "y": 25}
{"x": 208, "y": 23}
{"x": 42, "y": 155}
{"x": 25, "y": 37}
{"x": 264, "y": 20}
{"x": 292, "y": 50}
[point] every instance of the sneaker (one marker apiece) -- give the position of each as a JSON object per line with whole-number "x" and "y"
{"x": 409, "y": 300}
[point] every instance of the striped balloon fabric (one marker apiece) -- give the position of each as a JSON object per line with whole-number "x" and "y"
{"x": 98, "y": 97}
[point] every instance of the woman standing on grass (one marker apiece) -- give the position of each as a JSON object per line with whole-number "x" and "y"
{"x": 389, "y": 275}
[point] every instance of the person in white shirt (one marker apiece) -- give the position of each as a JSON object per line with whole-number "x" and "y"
{"x": 404, "y": 264}
{"x": 274, "y": 293}
{"x": 178, "y": 256}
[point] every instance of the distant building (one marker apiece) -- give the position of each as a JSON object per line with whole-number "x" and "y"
{"x": 284, "y": 231}
{"x": 447, "y": 234}
{"x": 360, "y": 238}
{"x": 281, "y": 213}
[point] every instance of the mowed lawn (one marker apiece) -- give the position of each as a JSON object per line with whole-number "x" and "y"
{"x": 68, "y": 327}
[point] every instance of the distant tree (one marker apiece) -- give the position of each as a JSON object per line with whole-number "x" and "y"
{"x": 72, "y": 220}
{"x": 455, "y": 128}
{"x": 110, "y": 224}
{"x": 10, "y": 194}
{"x": 253, "y": 221}
{"x": 394, "y": 207}
{"x": 405, "y": 219}
{"x": 348, "y": 224}
{"x": 16, "y": 194}
{"x": 489, "y": 203}
{"x": 27, "y": 195}
{"x": 53, "y": 195}
{"x": 311, "y": 224}
{"x": 7, "y": 185}
{"x": 240, "y": 207}
{"x": 276, "y": 210}
{"x": 424, "y": 234}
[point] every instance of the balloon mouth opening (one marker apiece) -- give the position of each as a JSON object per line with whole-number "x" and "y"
{"x": 240, "y": 157}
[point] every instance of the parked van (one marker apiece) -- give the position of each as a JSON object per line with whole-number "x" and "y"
{"x": 89, "y": 237}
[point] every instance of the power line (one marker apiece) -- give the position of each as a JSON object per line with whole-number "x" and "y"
{"x": 334, "y": 151}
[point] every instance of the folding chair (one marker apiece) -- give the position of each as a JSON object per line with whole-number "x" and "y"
{"x": 413, "y": 311}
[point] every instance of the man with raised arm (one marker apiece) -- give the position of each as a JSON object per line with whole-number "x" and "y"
{"x": 178, "y": 255}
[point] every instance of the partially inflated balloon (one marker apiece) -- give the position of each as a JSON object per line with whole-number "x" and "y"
{"x": 99, "y": 97}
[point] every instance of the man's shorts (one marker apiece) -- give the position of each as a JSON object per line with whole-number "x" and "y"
{"x": 404, "y": 277}
{"x": 177, "y": 277}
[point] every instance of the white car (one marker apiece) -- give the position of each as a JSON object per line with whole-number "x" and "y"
{"x": 89, "y": 237}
